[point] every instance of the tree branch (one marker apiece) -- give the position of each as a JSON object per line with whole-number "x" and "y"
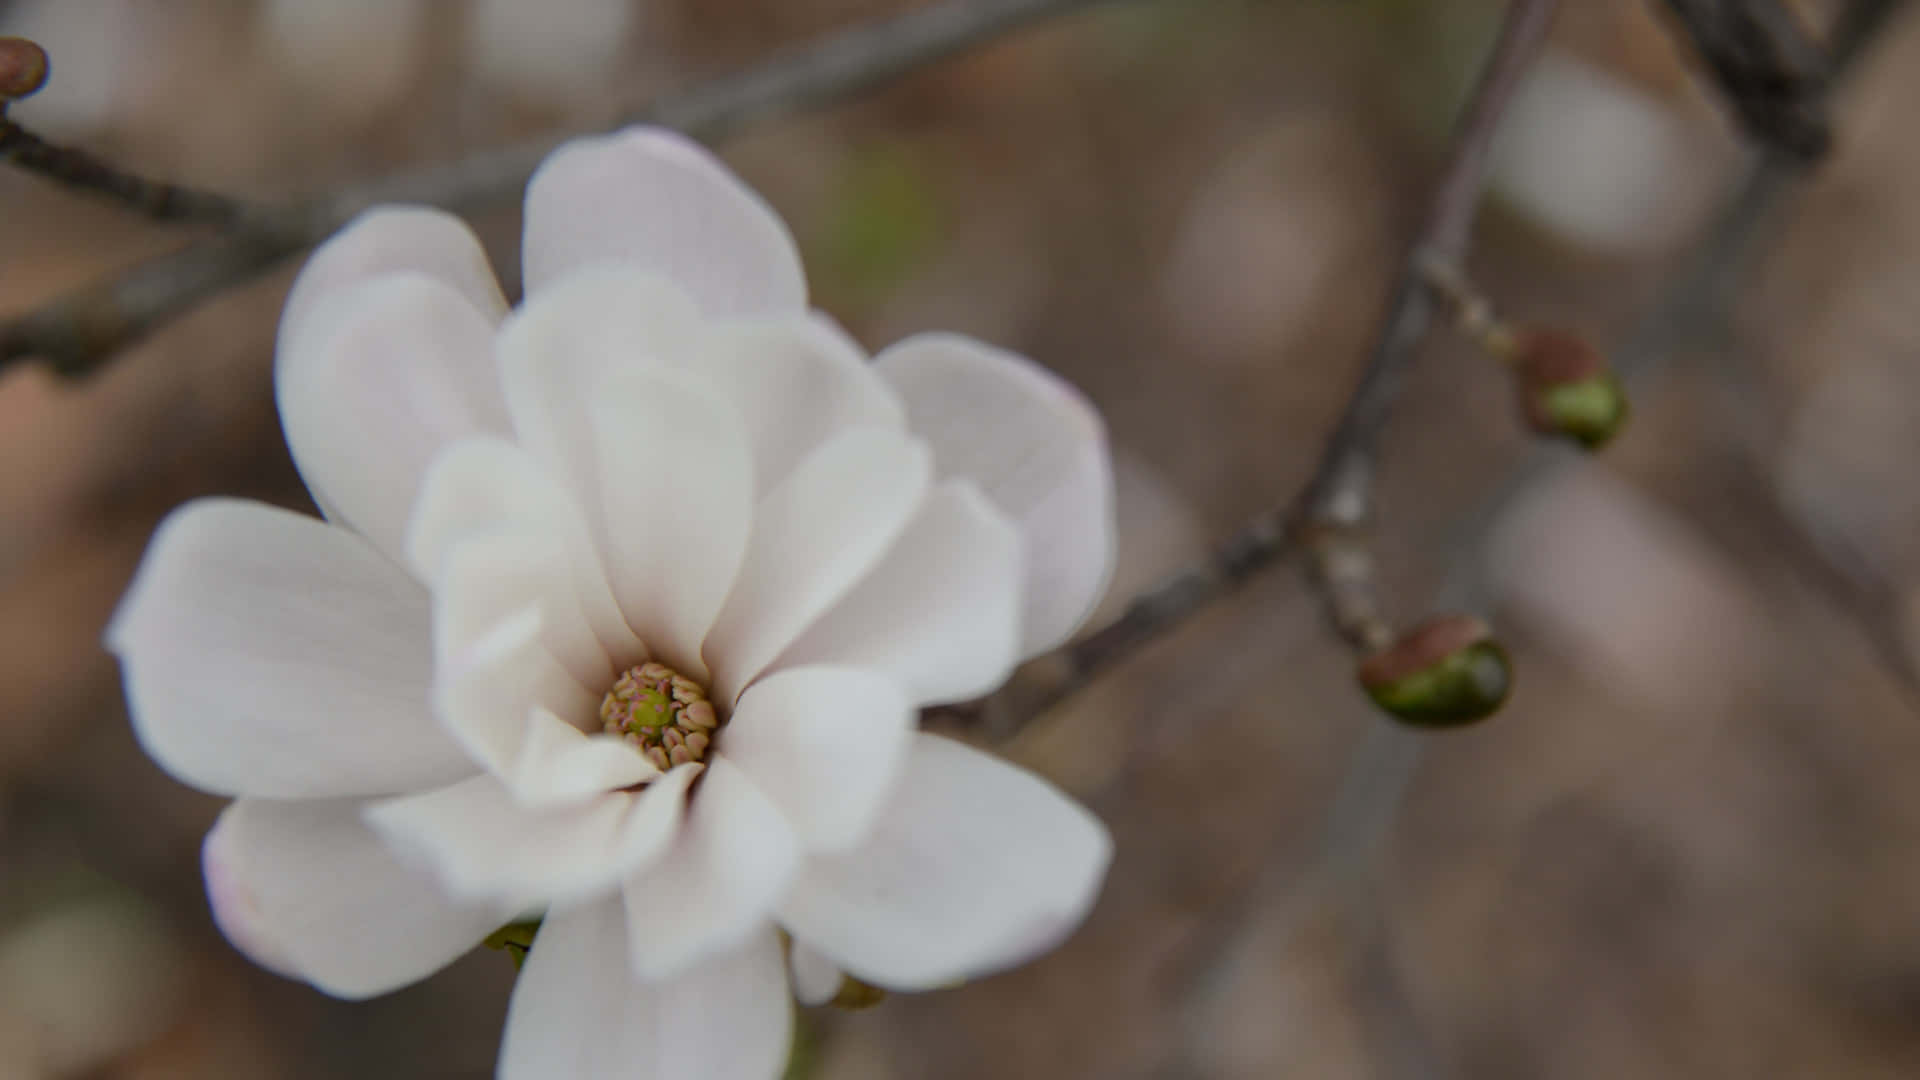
{"x": 77, "y": 332}
{"x": 1770, "y": 70}
{"x": 88, "y": 174}
{"x": 1324, "y": 520}
{"x": 1338, "y": 500}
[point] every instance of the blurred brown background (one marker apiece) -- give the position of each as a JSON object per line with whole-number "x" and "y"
{"x": 1690, "y": 846}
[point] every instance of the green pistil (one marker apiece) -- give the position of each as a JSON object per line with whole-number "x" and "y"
{"x": 664, "y": 714}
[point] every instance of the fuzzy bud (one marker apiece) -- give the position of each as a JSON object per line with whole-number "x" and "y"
{"x": 1566, "y": 387}
{"x": 23, "y": 68}
{"x": 1447, "y": 672}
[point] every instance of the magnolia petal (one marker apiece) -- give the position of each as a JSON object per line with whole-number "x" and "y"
{"x": 307, "y": 890}
{"x": 676, "y": 499}
{"x": 375, "y": 380}
{"x": 940, "y": 614}
{"x": 503, "y": 699}
{"x": 797, "y": 382}
{"x": 390, "y": 239}
{"x": 484, "y": 846}
{"x": 716, "y": 885}
{"x": 976, "y": 866}
{"x": 1036, "y": 448}
{"x": 560, "y": 765}
{"x": 266, "y": 653}
{"x": 816, "y": 979}
{"x": 656, "y": 199}
{"x": 486, "y": 485}
{"x": 814, "y": 538}
{"x": 825, "y": 744}
{"x": 564, "y": 349}
{"x": 579, "y": 1012}
{"x": 488, "y": 577}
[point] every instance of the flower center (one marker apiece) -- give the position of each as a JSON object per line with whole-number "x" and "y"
{"x": 662, "y": 712}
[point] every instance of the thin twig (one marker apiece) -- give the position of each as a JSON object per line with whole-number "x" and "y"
{"x": 1360, "y": 818}
{"x": 1770, "y": 70}
{"x": 1325, "y": 517}
{"x": 90, "y": 175}
{"x": 77, "y": 332}
{"x": 1339, "y": 499}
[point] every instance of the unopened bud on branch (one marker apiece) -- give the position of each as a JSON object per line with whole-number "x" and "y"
{"x": 1566, "y": 387}
{"x": 23, "y": 68}
{"x": 1447, "y": 672}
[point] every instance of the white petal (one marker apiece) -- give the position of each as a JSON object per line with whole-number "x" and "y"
{"x": 306, "y": 889}
{"x": 266, "y": 653}
{"x": 1036, "y": 448}
{"x": 387, "y": 239}
{"x": 504, "y": 699}
{"x": 579, "y": 1013}
{"x": 676, "y": 499}
{"x": 716, "y": 885}
{"x": 567, "y": 348}
{"x": 491, "y": 576}
{"x": 816, "y": 979}
{"x": 940, "y": 614}
{"x": 814, "y": 537}
{"x": 825, "y": 744}
{"x": 485, "y": 485}
{"x": 976, "y": 867}
{"x": 374, "y": 381}
{"x": 656, "y": 199}
{"x": 482, "y": 845}
{"x": 796, "y": 382}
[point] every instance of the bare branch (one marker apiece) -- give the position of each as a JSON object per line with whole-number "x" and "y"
{"x": 1340, "y": 495}
{"x": 1326, "y": 517}
{"x": 78, "y": 332}
{"x": 1770, "y": 70}
{"x": 88, "y": 174}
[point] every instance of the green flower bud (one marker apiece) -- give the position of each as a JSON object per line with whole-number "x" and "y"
{"x": 23, "y": 68}
{"x": 1446, "y": 672}
{"x": 1566, "y": 388}
{"x": 1590, "y": 411}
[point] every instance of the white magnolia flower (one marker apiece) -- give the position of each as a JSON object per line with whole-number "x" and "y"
{"x": 623, "y": 613}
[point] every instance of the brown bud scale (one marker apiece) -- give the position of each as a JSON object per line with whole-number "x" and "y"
{"x": 23, "y": 68}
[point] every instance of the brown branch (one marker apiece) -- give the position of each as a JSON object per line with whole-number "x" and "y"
{"x": 1325, "y": 520}
{"x": 1360, "y": 818}
{"x": 1694, "y": 304}
{"x": 1770, "y": 70}
{"x": 90, "y": 175}
{"x": 1338, "y": 500}
{"x": 76, "y": 333}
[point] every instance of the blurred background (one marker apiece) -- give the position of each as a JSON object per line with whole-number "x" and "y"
{"x": 1689, "y": 847}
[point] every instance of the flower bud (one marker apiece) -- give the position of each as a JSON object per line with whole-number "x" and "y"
{"x": 23, "y": 68}
{"x": 1446, "y": 672}
{"x": 1566, "y": 388}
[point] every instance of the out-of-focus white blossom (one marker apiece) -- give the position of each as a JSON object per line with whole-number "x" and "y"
{"x": 557, "y": 52}
{"x": 351, "y": 57}
{"x": 1601, "y": 162}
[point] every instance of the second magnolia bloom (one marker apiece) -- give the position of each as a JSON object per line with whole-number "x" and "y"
{"x": 623, "y": 614}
